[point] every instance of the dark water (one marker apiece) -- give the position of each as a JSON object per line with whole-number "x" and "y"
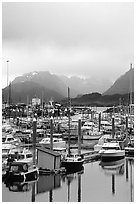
{"x": 95, "y": 183}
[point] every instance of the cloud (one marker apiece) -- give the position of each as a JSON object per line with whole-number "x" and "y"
{"x": 68, "y": 38}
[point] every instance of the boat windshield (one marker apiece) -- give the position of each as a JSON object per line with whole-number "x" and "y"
{"x": 28, "y": 155}
{"x": 21, "y": 156}
{"x": 14, "y": 169}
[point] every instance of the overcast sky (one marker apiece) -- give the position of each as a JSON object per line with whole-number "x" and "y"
{"x": 84, "y": 39}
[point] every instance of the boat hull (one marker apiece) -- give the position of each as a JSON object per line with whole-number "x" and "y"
{"x": 71, "y": 167}
{"x": 112, "y": 155}
{"x": 22, "y": 177}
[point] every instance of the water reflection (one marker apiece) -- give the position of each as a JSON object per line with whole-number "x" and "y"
{"x": 118, "y": 168}
{"x": 130, "y": 164}
{"x": 19, "y": 186}
{"x": 113, "y": 167}
{"x": 69, "y": 178}
{"x": 47, "y": 183}
{"x": 79, "y": 187}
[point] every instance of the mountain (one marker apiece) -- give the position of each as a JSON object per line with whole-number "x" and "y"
{"x": 122, "y": 84}
{"x": 82, "y": 86}
{"x": 45, "y": 85}
{"x": 97, "y": 99}
{"x": 21, "y": 92}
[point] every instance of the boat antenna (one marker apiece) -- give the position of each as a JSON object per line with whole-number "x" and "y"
{"x": 68, "y": 121}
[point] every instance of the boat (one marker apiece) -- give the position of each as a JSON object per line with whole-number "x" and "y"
{"x": 72, "y": 163}
{"x": 111, "y": 151}
{"x": 10, "y": 139}
{"x": 21, "y": 172}
{"x": 16, "y": 154}
{"x": 57, "y": 142}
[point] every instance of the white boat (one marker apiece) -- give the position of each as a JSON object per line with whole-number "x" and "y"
{"x": 10, "y": 139}
{"x": 57, "y": 142}
{"x": 111, "y": 151}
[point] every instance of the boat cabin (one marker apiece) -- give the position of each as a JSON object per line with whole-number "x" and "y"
{"x": 111, "y": 145}
{"x": 18, "y": 167}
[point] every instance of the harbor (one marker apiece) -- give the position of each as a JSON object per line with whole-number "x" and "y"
{"x": 92, "y": 173}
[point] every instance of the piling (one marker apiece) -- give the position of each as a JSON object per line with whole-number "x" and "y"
{"x": 99, "y": 122}
{"x": 113, "y": 183}
{"x": 33, "y": 192}
{"x": 126, "y": 126}
{"x": 51, "y": 135}
{"x": 126, "y": 169}
{"x": 79, "y": 137}
{"x": 34, "y": 138}
{"x": 79, "y": 187}
{"x": 113, "y": 127}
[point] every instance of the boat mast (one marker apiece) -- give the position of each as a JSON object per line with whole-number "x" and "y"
{"x": 7, "y": 82}
{"x": 131, "y": 72}
{"x": 68, "y": 121}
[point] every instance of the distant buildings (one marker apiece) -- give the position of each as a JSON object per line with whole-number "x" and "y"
{"x": 36, "y": 101}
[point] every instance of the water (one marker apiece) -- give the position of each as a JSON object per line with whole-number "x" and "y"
{"x": 94, "y": 184}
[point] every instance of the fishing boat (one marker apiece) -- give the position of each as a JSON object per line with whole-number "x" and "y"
{"x": 111, "y": 151}
{"x": 72, "y": 163}
{"x": 21, "y": 172}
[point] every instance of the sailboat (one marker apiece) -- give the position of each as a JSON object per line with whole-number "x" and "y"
{"x": 72, "y": 163}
